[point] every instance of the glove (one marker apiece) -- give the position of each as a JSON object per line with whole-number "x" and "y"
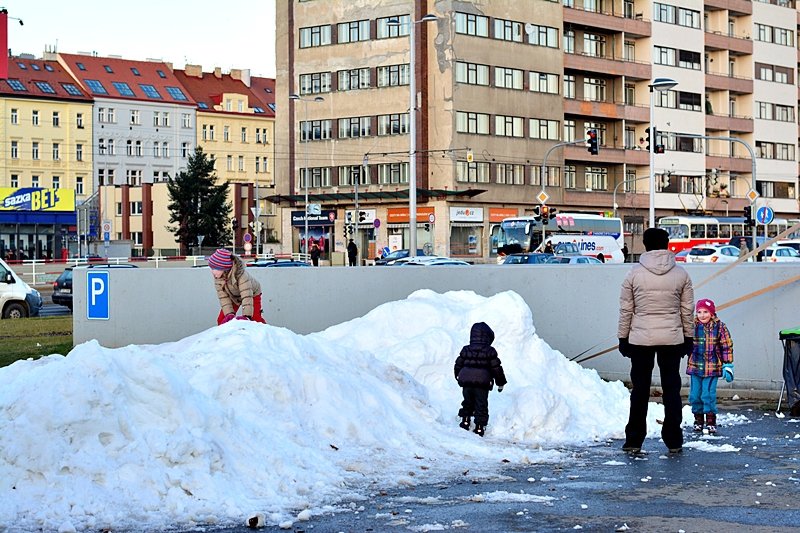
{"x": 243, "y": 317}
{"x": 688, "y": 346}
{"x": 727, "y": 372}
{"x": 624, "y": 347}
{"x": 500, "y": 388}
{"x": 227, "y": 318}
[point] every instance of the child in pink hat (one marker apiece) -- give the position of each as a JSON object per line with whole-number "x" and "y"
{"x": 711, "y": 358}
{"x": 235, "y": 288}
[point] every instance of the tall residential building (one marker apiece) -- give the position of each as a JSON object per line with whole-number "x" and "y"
{"x": 46, "y": 159}
{"x": 501, "y": 83}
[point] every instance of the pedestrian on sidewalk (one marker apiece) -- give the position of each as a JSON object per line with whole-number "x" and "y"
{"x": 655, "y": 323}
{"x": 236, "y": 288}
{"x": 711, "y": 358}
{"x": 352, "y": 253}
{"x": 477, "y": 369}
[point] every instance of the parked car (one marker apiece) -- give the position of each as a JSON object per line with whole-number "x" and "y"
{"x": 574, "y": 260}
{"x": 62, "y": 286}
{"x": 429, "y": 260}
{"x": 781, "y": 254}
{"x": 680, "y": 257}
{"x": 534, "y": 258}
{"x": 390, "y": 258}
{"x": 277, "y": 262}
{"x": 713, "y": 254}
{"x": 792, "y": 243}
{"x": 17, "y": 298}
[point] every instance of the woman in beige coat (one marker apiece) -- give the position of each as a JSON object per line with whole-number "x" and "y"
{"x": 656, "y": 323}
{"x": 235, "y": 288}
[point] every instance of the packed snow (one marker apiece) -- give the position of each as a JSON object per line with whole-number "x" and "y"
{"x": 246, "y": 419}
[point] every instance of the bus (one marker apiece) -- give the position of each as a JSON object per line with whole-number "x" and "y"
{"x": 686, "y": 232}
{"x": 524, "y": 234}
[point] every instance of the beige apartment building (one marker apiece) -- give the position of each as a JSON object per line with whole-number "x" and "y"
{"x": 503, "y": 84}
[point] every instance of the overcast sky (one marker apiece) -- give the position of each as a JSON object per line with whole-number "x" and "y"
{"x": 230, "y": 34}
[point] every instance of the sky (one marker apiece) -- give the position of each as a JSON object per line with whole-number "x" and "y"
{"x": 230, "y": 34}
{"x": 245, "y": 419}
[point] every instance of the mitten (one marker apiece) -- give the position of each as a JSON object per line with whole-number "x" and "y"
{"x": 688, "y": 346}
{"x": 243, "y": 317}
{"x": 624, "y": 347}
{"x": 727, "y": 372}
{"x": 227, "y": 318}
{"x": 500, "y": 388}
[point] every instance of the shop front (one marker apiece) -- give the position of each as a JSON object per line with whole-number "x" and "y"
{"x": 466, "y": 232}
{"x": 36, "y": 223}
{"x": 320, "y": 227}
{"x": 398, "y": 228}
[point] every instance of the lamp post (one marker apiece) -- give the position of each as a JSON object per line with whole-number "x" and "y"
{"x": 305, "y": 150}
{"x": 412, "y": 128}
{"x": 616, "y": 188}
{"x": 661, "y": 84}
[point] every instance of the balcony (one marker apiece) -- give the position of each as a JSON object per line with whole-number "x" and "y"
{"x": 608, "y": 66}
{"x": 608, "y": 155}
{"x": 610, "y": 22}
{"x": 722, "y": 41}
{"x": 717, "y": 81}
{"x": 734, "y": 7}
{"x": 728, "y": 123}
{"x": 606, "y": 110}
{"x": 725, "y": 163}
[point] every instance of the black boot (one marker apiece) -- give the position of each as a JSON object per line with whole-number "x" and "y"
{"x": 464, "y": 423}
{"x": 711, "y": 423}
{"x": 480, "y": 430}
{"x": 698, "y": 422}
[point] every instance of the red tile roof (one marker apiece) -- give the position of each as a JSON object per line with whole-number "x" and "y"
{"x": 111, "y": 77}
{"x": 209, "y": 89}
{"x": 264, "y": 89}
{"x": 36, "y": 78}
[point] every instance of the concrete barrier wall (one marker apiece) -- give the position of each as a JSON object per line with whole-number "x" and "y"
{"x": 575, "y": 308}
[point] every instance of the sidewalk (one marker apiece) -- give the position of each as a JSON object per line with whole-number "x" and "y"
{"x": 709, "y": 487}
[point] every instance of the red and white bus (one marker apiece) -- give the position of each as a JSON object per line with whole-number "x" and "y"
{"x": 689, "y": 231}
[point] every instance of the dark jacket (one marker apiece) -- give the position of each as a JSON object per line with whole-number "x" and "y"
{"x": 478, "y": 365}
{"x": 352, "y": 249}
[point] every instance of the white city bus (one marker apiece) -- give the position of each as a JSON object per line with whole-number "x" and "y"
{"x": 593, "y": 234}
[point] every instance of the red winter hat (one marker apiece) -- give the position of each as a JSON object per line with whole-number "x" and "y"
{"x": 220, "y": 260}
{"x": 707, "y": 304}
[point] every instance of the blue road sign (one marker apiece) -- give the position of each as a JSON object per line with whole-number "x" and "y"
{"x": 765, "y": 215}
{"x": 97, "y": 301}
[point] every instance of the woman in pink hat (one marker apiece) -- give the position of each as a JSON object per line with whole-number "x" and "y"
{"x": 235, "y": 288}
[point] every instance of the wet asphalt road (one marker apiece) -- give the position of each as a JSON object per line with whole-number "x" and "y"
{"x": 601, "y": 488}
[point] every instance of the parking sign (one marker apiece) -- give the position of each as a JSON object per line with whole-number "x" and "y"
{"x": 97, "y": 301}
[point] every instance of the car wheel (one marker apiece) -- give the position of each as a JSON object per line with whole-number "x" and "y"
{"x": 15, "y": 310}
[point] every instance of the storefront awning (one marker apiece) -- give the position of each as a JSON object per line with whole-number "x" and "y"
{"x": 349, "y": 197}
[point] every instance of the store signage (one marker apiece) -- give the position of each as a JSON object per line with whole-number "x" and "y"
{"x": 325, "y": 218}
{"x": 36, "y": 199}
{"x": 466, "y": 214}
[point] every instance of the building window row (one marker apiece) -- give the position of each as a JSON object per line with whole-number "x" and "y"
{"x": 775, "y": 73}
{"x": 681, "y": 16}
{"x": 772, "y": 150}
{"x": 775, "y": 35}
{"x": 676, "y": 58}
{"x": 36, "y": 181}
{"x": 777, "y": 112}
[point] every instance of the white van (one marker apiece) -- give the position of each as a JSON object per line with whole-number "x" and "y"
{"x": 17, "y": 298}
{"x": 590, "y": 245}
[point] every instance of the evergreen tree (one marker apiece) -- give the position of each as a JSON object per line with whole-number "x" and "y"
{"x": 198, "y": 205}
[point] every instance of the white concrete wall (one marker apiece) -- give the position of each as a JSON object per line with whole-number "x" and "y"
{"x": 574, "y": 308}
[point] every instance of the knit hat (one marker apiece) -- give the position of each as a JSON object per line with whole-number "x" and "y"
{"x": 655, "y": 239}
{"x": 708, "y": 305}
{"x": 220, "y": 260}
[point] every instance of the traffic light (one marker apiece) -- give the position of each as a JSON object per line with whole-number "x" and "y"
{"x": 362, "y": 216}
{"x": 234, "y": 224}
{"x": 651, "y": 138}
{"x": 427, "y": 226}
{"x": 659, "y": 149}
{"x": 552, "y": 213}
{"x": 537, "y": 213}
{"x": 545, "y": 215}
{"x": 348, "y": 217}
{"x": 748, "y": 216}
{"x": 591, "y": 142}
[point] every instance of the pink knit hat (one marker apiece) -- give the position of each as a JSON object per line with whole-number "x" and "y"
{"x": 708, "y": 305}
{"x": 220, "y": 260}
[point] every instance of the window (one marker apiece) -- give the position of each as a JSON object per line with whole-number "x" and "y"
{"x": 34, "y": 181}
{"x": 35, "y": 150}
{"x": 569, "y": 86}
{"x": 139, "y": 149}
{"x": 16, "y": 85}
{"x": 354, "y": 127}
{"x": 133, "y": 177}
{"x": 56, "y": 119}
{"x": 508, "y": 30}
{"x": 164, "y": 149}
{"x": 79, "y": 152}
{"x": 135, "y": 71}
{"x": 476, "y": 25}
{"x": 475, "y": 172}
{"x": 150, "y": 91}
{"x": 72, "y": 89}
{"x": 79, "y": 120}
{"x": 14, "y": 149}
{"x": 186, "y": 120}
{"x": 508, "y": 78}
{"x": 315, "y": 36}
{"x": 594, "y": 89}
{"x": 96, "y": 87}
{"x": 156, "y": 118}
{"x": 389, "y": 173}
{"x": 351, "y": 32}
{"x": 393, "y": 75}
{"x": 156, "y": 149}
{"x": 258, "y": 164}
{"x": 569, "y": 130}
{"x": 545, "y": 36}
{"x": 129, "y": 147}
{"x": 229, "y": 162}
{"x": 350, "y": 80}
{"x": 112, "y": 150}
{"x": 112, "y": 116}
{"x": 318, "y": 82}
{"x": 108, "y": 69}
{"x": 226, "y": 133}
{"x": 386, "y": 30}
{"x": 244, "y": 134}
{"x": 315, "y": 130}
{"x": 79, "y": 185}
{"x": 14, "y": 116}
{"x": 122, "y": 88}
{"x": 596, "y": 178}
{"x": 395, "y": 124}
{"x": 136, "y": 208}
{"x": 101, "y": 114}
{"x": 542, "y": 82}
{"x": 56, "y": 182}
{"x": 35, "y": 117}
{"x": 241, "y": 163}
{"x": 135, "y": 118}
{"x": 56, "y": 151}
{"x": 689, "y": 101}
{"x": 544, "y": 129}
{"x": 161, "y": 74}
{"x": 472, "y": 73}
{"x": 468, "y": 122}
{"x": 184, "y": 150}
{"x": 594, "y": 44}
{"x": 318, "y": 177}
{"x": 508, "y": 174}
{"x": 569, "y": 41}
{"x": 569, "y": 177}
{"x": 176, "y": 93}
{"x": 45, "y": 87}
{"x": 14, "y": 181}
{"x": 507, "y": 126}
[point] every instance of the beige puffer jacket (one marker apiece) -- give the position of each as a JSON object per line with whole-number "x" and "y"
{"x": 656, "y": 304}
{"x": 237, "y": 288}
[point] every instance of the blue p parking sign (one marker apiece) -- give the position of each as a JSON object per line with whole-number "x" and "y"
{"x": 97, "y": 301}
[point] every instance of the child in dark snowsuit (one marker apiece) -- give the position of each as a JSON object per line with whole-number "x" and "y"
{"x": 477, "y": 368}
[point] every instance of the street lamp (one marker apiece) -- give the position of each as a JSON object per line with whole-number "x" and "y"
{"x": 305, "y": 173}
{"x": 661, "y": 84}
{"x": 412, "y": 155}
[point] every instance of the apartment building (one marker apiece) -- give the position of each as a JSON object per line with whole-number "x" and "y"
{"x": 46, "y": 160}
{"x": 501, "y": 83}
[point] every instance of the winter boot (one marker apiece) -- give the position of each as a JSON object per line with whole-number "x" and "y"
{"x": 711, "y": 423}
{"x": 698, "y": 422}
{"x": 480, "y": 430}
{"x": 464, "y": 423}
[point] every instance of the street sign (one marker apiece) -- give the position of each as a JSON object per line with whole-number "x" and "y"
{"x": 542, "y": 197}
{"x": 765, "y": 215}
{"x": 106, "y": 236}
{"x": 256, "y": 211}
{"x": 106, "y": 226}
{"x": 751, "y": 195}
{"x": 97, "y": 300}
{"x": 247, "y": 238}
{"x": 431, "y": 218}
{"x": 376, "y": 223}
{"x": 314, "y": 209}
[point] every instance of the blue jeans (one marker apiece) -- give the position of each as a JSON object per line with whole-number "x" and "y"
{"x": 703, "y": 394}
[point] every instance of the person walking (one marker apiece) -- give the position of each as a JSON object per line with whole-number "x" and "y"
{"x": 624, "y": 253}
{"x": 314, "y": 253}
{"x": 743, "y": 251}
{"x": 711, "y": 358}
{"x": 477, "y": 369}
{"x": 656, "y": 323}
{"x": 236, "y": 289}
{"x": 548, "y": 248}
{"x": 352, "y": 253}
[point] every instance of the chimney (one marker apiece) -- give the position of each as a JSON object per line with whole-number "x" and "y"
{"x": 218, "y": 72}
{"x": 242, "y": 75}
{"x": 195, "y": 71}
